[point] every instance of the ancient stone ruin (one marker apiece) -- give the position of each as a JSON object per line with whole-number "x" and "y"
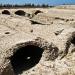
{"x": 40, "y": 44}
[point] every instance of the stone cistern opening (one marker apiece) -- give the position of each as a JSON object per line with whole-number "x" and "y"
{"x": 20, "y": 13}
{"x": 6, "y": 12}
{"x": 26, "y": 58}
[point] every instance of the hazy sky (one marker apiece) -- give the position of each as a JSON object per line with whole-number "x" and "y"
{"x": 50, "y": 2}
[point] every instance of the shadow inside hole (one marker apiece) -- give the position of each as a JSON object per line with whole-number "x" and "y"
{"x": 38, "y": 11}
{"x": 25, "y": 58}
{"x": 35, "y": 22}
{"x": 20, "y": 13}
{"x": 73, "y": 41}
{"x": 7, "y": 32}
{"x": 6, "y": 12}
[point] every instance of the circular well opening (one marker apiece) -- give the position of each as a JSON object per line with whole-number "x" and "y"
{"x": 26, "y": 58}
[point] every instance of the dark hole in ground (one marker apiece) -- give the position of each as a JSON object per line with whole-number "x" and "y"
{"x": 38, "y": 11}
{"x": 20, "y": 13}
{"x": 31, "y": 31}
{"x": 73, "y": 41}
{"x": 7, "y": 32}
{"x": 28, "y": 15}
{"x": 26, "y": 58}
{"x": 6, "y": 12}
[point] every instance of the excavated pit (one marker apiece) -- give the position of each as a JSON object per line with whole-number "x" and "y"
{"x": 26, "y": 58}
{"x": 6, "y": 12}
{"x": 20, "y": 13}
{"x": 38, "y": 11}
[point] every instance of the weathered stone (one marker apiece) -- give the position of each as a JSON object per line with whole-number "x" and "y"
{"x": 43, "y": 44}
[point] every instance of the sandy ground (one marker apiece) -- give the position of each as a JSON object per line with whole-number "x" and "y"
{"x": 53, "y": 30}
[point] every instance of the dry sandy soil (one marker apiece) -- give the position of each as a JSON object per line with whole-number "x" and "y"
{"x": 37, "y": 41}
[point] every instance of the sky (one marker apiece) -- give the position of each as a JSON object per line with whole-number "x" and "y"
{"x": 50, "y": 2}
